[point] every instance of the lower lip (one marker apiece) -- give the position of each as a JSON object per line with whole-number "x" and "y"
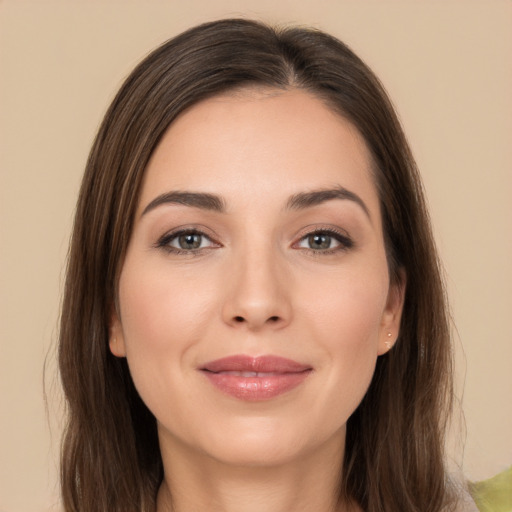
{"x": 255, "y": 389}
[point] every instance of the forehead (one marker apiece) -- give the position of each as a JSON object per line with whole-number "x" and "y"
{"x": 260, "y": 141}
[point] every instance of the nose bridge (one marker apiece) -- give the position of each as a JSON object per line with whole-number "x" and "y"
{"x": 257, "y": 293}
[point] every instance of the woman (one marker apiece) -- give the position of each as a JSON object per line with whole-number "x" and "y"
{"x": 254, "y": 317}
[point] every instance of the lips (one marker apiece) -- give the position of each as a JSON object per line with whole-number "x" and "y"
{"x": 255, "y": 378}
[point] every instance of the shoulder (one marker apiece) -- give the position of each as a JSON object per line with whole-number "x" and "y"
{"x": 494, "y": 494}
{"x": 466, "y": 504}
{"x": 461, "y": 496}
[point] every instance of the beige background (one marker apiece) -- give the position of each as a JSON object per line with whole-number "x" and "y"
{"x": 448, "y": 68}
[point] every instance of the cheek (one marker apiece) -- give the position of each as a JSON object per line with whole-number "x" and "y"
{"x": 349, "y": 307}
{"x": 158, "y": 306}
{"x": 346, "y": 318}
{"x": 163, "y": 315}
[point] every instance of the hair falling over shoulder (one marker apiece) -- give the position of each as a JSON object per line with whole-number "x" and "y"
{"x": 394, "y": 458}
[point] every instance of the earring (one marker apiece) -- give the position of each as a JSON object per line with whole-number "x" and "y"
{"x": 388, "y": 342}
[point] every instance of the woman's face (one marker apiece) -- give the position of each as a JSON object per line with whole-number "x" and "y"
{"x": 255, "y": 298}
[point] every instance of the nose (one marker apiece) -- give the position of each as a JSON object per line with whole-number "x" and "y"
{"x": 257, "y": 294}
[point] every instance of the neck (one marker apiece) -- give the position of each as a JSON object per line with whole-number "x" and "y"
{"x": 196, "y": 482}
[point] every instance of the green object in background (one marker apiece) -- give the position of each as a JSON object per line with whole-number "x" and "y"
{"x": 495, "y": 494}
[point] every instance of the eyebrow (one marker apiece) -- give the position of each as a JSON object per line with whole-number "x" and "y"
{"x": 215, "y": 203}
{"x": 200, "y": 200}
{"x": 308, "y": 199}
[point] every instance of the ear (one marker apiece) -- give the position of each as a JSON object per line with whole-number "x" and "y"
{"x": 390, "y": 324}
{"x": 116, "y": 337}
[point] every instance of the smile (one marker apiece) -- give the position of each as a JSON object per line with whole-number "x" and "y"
{"x": 255, "y": 378}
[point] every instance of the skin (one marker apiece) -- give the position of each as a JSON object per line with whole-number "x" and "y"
{"x": 256, "y": 285}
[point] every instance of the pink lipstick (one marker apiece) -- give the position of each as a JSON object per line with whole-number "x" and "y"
{"x": 255, "y": 378}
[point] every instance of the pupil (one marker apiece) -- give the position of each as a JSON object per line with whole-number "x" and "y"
{"x": 190, "y": 241}
{"x": 320, "y": 241}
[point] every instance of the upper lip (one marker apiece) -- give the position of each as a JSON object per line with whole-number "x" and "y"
{"x": 261, "y": 364}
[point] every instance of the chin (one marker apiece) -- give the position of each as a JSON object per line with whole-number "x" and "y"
{"x": 265, "y": 442}
{"x": 257, "y": 452}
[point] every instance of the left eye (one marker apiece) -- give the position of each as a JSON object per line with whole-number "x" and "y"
{"x": 324, "y": 241}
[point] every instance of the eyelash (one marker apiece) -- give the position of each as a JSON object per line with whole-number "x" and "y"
{"x": 165, "y": 241}
{"x": 345, "y": 242}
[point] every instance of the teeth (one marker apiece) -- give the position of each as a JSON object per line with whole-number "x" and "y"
{"x": 248, "y": 374}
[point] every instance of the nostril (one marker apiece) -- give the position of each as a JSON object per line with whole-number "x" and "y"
{"x": 270, "y": 320}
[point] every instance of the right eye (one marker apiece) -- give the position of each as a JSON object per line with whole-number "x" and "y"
{"x": 186, "y": 241}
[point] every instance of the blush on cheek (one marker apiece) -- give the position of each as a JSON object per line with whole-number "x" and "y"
{"x": 145, "y": 305}
{"x": 353, "y": 316}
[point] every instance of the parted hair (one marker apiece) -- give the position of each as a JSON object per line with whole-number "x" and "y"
{"x": 110, "y": 460}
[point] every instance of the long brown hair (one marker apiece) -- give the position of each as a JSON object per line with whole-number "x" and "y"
{"x": 394, "y": 447}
